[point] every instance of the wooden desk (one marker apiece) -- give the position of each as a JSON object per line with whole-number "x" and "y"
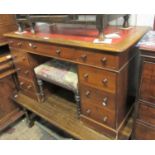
{"x": 106, "y": 71}
{"x": 144, "y": 126}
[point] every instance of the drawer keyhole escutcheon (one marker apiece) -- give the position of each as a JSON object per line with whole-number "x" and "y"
{"x": 105, "y": 100}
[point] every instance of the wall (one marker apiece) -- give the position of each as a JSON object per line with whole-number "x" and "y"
{"x": 135, "y": 19}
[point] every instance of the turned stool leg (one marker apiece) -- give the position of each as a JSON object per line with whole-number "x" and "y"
{"x": 41, "y": 91}
{"x": 29, "y": 120}
{"x": 77, "y": 99}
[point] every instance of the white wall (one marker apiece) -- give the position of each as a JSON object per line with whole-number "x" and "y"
{"x": 145, "y": 19}
{"x": 135, "y": 19}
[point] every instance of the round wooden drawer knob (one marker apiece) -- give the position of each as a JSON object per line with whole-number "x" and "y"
{"x": 18, "y": 69}
{"x": 105, "y": 119}
{"x": 105, "y": 81}
{"x": 26, "y": 72}
{"x": 88, "y": 111}
{"x": 105, "y": 100}
{"x": 15, "y": 96}
{"x": 104, "y": 60}
{"x": 29, "y": 87}
{"x": 85, "y": 76}
{"x": 19, "y": 44}
{"x": 24, "y": 59}
{"x": 84, "y": 57}
{"x": 87, "y": 93}
{"x": 58, "y": 51}
{"x": 21, "y": 83}
{"x": 32, "y": 46}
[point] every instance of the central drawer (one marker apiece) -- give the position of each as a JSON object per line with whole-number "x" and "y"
{"x": 98, "y": 78}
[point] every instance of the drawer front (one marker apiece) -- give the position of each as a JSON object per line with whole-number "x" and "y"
{"x": 80, "y": 56}
{"x": 23, "y": 67}
{"x": 146, "y": 113}
{"x": 90, "y": 57}
{"x": 143, "y": 132}
{"x": 95, "y": 58}
{"x": 20, "y": 58}
{"x": 24, "y": 72}
{"x": 26, "y": 85}
{"x": 147, "y": 87}
{"x": 97, "y": 97}
{"x": 98, "y": 78}
{"x": 16, "y": 43}
{"x": 99, "y": 114}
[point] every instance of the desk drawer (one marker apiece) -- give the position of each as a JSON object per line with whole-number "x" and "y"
{"x": 97, "y": 97}
{"x": 146, "y": 113}
{"x": 26, "y": 85}
{"x": 99, "y": 114}
{"x": 89, "y": 57}
{"x": 24, "y": 72}
{"x": 147, "y": 88}
{"x": 20, "y": 58}
{"x": 94, "y": 58}
{"x": 98, "y": 78}
{"x": 23, "y": 67}
{"x": 16, "y": 43}
{"x": 73, "y": 54}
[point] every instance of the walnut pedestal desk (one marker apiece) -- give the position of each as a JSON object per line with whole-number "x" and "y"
{"x": 106, "y": 80}
{"x": 144, "y": 126}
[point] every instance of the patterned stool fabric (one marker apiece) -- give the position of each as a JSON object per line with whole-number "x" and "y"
{"x": 60, "y": 73}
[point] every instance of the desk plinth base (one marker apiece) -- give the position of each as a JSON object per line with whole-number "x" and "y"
{"x": 63, "y": 114}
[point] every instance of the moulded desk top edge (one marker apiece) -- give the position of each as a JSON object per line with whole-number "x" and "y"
{"x": 117, "y": 47}
{"x": 3, "y": 43}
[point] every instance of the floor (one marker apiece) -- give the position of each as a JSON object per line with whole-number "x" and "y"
{"x": 20, "y": 131}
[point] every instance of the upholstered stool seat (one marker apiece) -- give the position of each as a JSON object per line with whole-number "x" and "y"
{"x": 60, "y": 73}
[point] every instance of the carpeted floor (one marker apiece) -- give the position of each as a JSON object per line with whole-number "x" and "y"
{"x": 20, "y": 131}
